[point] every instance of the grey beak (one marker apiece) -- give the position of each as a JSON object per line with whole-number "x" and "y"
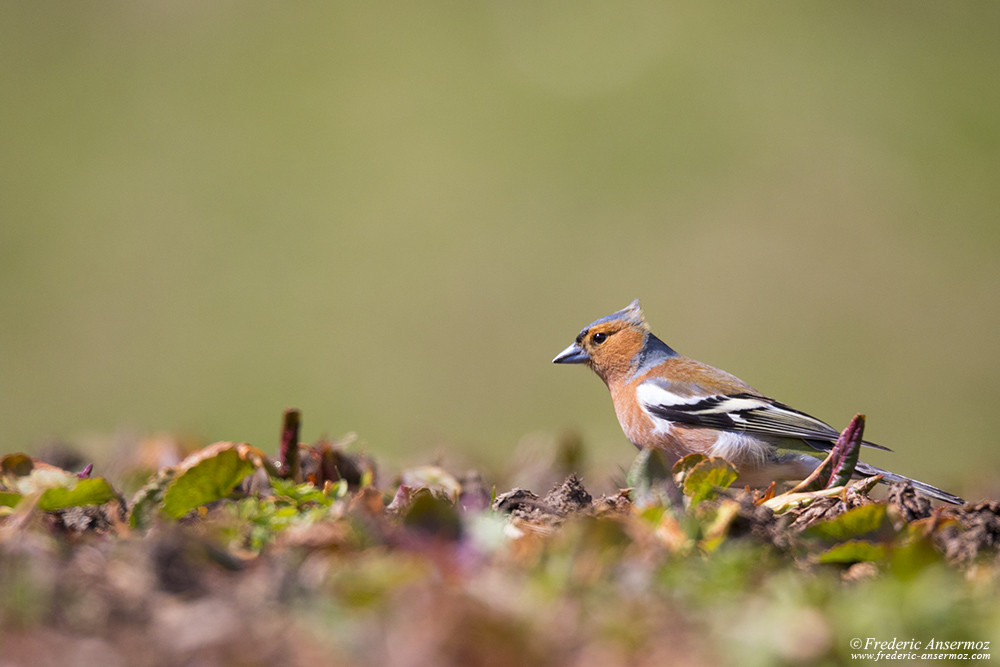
{"x": 574, "y": 354}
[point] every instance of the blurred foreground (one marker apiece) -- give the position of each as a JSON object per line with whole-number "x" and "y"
{"x": 231, "y": 558}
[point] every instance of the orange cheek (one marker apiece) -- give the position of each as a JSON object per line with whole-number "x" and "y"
{"x": 613, "y": 359}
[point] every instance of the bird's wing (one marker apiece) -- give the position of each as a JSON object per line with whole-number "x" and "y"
{"x": 743, "y": 412}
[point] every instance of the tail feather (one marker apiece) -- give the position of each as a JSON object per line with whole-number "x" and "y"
{"x": 926, "y": 489}
{"x": 874, "y": 446}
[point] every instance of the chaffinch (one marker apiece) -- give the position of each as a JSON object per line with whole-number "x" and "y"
{"x": 670, "y": 402}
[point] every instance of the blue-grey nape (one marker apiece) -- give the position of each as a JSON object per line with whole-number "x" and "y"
{"x": 654, "y": 352}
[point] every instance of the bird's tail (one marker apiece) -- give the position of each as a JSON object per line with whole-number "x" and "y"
{"x": 926, "y": 489}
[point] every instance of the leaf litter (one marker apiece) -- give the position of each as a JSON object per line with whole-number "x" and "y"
{"x": 231, "y": 557}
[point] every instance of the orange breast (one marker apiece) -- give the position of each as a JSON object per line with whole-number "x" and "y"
{"x": 678, "y": 440}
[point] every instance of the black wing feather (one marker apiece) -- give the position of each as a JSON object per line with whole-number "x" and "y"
{"x": 768, "y": 417}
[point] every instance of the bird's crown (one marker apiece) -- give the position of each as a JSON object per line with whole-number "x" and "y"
{"x": 630, "y": 314}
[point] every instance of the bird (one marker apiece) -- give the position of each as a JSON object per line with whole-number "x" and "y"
{"x": 678, "y": 405}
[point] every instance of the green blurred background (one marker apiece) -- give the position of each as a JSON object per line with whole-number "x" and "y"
{"x": 392, "y": 216}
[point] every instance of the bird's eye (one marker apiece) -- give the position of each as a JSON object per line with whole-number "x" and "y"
{"x": 598, "y": 338}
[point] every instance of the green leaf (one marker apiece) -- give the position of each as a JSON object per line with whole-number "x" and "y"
{"x": 853, "y": 551}
{"x": 307, "y": 492}
{"x": 867, "y": 520}
{"x": 338, "y": 489}
{"x": 685, "y": 465}
{"x": 707, "y": 477}
{"x": 148, "y": 498}
{"x": 649, "y": 478}
{"x": 92, "y": 491}
{"x": 648, "y": 468}
{"x": 715, "y": 525}
{"x": 9, "y": 499}
{"x": 910, "y": 559}
{"x": 211, "y": 477}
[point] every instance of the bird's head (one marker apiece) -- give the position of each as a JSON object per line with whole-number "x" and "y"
{"x": 610, "y": 345}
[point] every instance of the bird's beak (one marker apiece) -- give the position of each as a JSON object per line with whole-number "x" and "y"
{"x": 574, "y": 354}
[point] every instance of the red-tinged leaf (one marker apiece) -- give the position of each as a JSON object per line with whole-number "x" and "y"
{"x": 435, "y": 479}
{"x": 844, "y": 455}
{"x": 401, "y": 500}
{"x": 838, "y": 466}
